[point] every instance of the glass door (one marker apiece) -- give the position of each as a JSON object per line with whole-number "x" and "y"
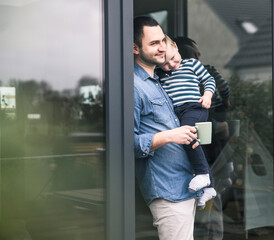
{"x": 236, "y": 38}
{"x": 52, "y": 128}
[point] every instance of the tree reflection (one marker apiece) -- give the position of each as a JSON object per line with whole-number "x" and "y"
{"x": 43, "y": 114}
{"x": 61, "y": 109}
{"x": 251, "y": 101}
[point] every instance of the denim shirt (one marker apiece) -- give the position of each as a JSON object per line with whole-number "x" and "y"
{"x": 166, "y": 172}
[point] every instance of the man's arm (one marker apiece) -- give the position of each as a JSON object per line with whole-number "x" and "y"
{"x": 142, "y": 142}
{"x": 180, "y": 135}
{"x": 145, "y": 144}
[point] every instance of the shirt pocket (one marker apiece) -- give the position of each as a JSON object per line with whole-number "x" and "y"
{"x": 161, "y": 112}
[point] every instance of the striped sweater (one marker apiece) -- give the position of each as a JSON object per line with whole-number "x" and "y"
{"x": 182, "y": 85}
{"x": 222, "y": 91}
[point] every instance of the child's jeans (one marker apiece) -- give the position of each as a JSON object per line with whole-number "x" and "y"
{"x": 189, "y": 114}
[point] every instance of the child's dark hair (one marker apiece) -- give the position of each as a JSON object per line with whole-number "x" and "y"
{"x": 187, "y": 47}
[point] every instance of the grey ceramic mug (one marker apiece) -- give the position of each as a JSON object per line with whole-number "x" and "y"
{"x": 204, "y": 132}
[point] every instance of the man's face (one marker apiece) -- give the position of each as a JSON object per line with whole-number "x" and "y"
{"x": 153, "y": 47}
{"x": 172, "y": 60}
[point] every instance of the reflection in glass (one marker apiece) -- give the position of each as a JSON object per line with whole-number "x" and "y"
{"x": 52, "y": 145}
{"x": 235, "y": 37}
{"x": 241, "y": 155}
{"x": 162, "y": 18}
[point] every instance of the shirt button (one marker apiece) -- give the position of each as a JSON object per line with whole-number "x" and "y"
{"x": 156, "y": 84}
{"x": 176, "y": 120}
{"x": 144, "y": 154}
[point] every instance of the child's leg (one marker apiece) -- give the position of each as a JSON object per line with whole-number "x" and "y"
{"x": 189, "y": 114}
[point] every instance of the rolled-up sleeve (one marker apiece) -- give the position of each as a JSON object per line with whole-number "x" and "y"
{"x": 142, "y": 141}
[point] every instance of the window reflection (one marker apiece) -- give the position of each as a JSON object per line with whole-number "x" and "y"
{"x": 236, "y": 38}
{"x": 241, "y": 155}
{"x": 52, "y": 131}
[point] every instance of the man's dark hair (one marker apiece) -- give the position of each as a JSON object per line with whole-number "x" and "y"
{"x": 139, "y": 23}
{"x": 188, "y": 48}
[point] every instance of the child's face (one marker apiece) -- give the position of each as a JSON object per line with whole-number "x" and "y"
{"x": 172, "y": 60}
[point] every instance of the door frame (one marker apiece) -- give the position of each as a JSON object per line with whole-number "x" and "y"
{"x": 120, "y": 172}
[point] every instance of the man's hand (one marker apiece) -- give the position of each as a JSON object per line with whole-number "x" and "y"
{"x": 180, "y": 135}
{"x": 183, "y": 135}
{"x": 206, "y": 99}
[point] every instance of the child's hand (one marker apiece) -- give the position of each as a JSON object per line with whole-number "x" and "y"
{"x": 206, "y": 99}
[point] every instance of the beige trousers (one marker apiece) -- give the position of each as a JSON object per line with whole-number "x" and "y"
{"x": 174, "y": 221}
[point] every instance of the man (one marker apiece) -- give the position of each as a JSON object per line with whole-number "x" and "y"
{"x": 163, "y": 170}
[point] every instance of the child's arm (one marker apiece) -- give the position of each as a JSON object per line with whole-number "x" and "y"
{"x": 208, "y": 82}
{"x": 206, "y": 99}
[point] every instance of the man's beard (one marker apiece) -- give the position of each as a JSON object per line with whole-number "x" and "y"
{"x": 148, "y": 60}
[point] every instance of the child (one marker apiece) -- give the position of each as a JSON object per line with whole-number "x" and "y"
{"x": 181, "y": 80}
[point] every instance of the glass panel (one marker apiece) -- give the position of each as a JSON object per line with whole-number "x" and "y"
{"x": 236, "y": 38}
{"x": 52, "y": 144}
{"x": 162, "y": 18}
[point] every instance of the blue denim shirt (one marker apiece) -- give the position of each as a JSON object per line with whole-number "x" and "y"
{"x": 166, "y": 172}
